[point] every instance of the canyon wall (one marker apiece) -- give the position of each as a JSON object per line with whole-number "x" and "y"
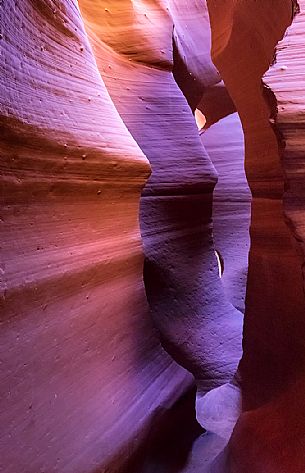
{"x": 82, "y": 371}
{"x": 269, "y": 433}
{"x": 197, "y": 325}
{"x": 84, "y": 376}
{"x": 224, "y": 142}
{"x": 104, "y": 175}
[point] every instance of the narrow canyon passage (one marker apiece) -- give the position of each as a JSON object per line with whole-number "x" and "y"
{"x": 152, "y": 311}
{"x": 224, "y": 142}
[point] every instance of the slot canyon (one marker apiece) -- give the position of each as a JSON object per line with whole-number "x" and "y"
{"x": 152, "y": 309}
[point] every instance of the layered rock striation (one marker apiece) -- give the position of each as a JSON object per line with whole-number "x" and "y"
{"x": 185, "y": 295}
{"x": 82, "y": 370}
{"x": 104, "y": 172}
{"x": 267, "y": 437}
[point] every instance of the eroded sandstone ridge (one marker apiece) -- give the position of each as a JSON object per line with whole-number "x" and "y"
{"x": 269, "y": 433}
{"x": 102, "y": 168}
{"x": 182, "y": 284}
{"x": 82, "y": 372}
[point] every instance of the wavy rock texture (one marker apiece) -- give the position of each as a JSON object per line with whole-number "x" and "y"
{"x": 82, "y": 372}
{"x": 269, "y": 433}
{"x": 84, "y": 119}
{"x": 198, "y": 326}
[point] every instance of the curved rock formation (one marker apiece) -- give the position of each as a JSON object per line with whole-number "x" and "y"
{"x": 82, "y": 371}
{"x": 102, "y": 166}
{"x": 272, "y": 367}
{"x": 224, "y": 142}
{"x": 176, "y": 204}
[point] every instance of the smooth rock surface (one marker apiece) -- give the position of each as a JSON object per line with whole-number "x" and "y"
{"x": 268, "y": 436}
{"x": 224, "y": 142}
{"x": 82, "y": 372}
{"x": 198, "y": 326}
{"x": 102, "y": 165}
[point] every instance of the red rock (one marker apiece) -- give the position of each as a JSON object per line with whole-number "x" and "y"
{"x": 177, "y": 200}
{"x": 265, "y": 438}
{"x": 102, "y": 165}
{"x": 82, "y": 371}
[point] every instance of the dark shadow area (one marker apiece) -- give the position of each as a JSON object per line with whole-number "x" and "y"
{"x": 188, "y": 85}
{"x": 169, "y": 442}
